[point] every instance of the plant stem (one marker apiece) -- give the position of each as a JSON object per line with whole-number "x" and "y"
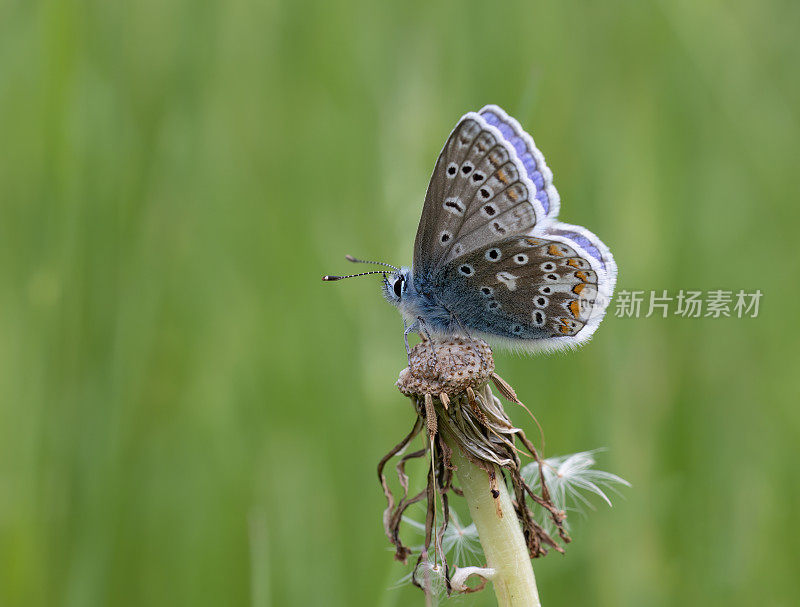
{"x": 501, "y": 536}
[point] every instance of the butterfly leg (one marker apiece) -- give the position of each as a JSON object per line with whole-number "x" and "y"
{"x": 457, "y": 320}
{"x": 422, "y": 329}
{"x": 426, "y": 336}
{"x": 409, "y": 328}
{"x": 460, "y": 325}
{"x": 418, "y": 326}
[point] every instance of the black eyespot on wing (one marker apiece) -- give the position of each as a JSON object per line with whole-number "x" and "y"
{"x": 454, "y": 205}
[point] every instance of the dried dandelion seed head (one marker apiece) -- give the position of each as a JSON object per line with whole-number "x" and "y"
{"x": 448, "y": 382}
{"x": 449, "y": 366}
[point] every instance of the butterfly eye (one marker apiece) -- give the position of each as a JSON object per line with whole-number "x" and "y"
{"x": 398, "y": 287}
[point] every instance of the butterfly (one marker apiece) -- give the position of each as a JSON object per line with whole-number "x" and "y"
{"x": 491, "y": 259}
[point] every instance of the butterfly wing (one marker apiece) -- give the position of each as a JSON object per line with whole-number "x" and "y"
{"x": 529, "y": 155}
{"x": 529, "y": 292}
{"x": 479, "y": 192}
{"x": 595, "y": 250}
{"x": 490, "y": 250}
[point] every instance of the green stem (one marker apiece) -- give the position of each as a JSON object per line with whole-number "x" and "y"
{"x": 501, "y": 536}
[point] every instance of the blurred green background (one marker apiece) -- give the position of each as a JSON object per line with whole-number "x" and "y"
{"x": 188, "y": 416}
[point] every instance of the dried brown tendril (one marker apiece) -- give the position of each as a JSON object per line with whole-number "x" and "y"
{"x": 447, "y": 380}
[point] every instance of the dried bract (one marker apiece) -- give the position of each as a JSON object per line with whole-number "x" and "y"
{"x": 448, "y": 382}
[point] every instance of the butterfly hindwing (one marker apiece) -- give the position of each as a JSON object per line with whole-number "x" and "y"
{"x": 593, "y": 246}
{"x": 479, "y": 192}
{"x": 525, "y": 289}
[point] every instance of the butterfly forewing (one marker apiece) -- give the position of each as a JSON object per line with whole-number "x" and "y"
{"x": 479, "y": 192}
{"x": 521, "y": 288}
{"x": 529, "y": 155}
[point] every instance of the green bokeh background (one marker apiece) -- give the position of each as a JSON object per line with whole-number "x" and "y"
{"x": 188, "y": 416}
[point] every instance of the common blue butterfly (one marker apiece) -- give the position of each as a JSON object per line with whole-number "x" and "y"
{"x": 490, "y": 258}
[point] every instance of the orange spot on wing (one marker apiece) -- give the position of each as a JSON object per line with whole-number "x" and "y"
{"x": 582, "y": 275}
{"x": 553, "y": 250}
{"x": 501, "y": 175}
{"x": 564, "y": 325}
{"x": 574, "y": 263}
{"x": 575, "y": 308}
{"x": 512, "y": 194}
{"x": 578, "y": 288}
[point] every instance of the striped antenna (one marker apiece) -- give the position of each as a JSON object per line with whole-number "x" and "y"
{"x": 330, "y": 278}
{"x": 352, "y": 259}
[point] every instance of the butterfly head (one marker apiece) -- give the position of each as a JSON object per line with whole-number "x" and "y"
{"x": 397, "y": 285}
